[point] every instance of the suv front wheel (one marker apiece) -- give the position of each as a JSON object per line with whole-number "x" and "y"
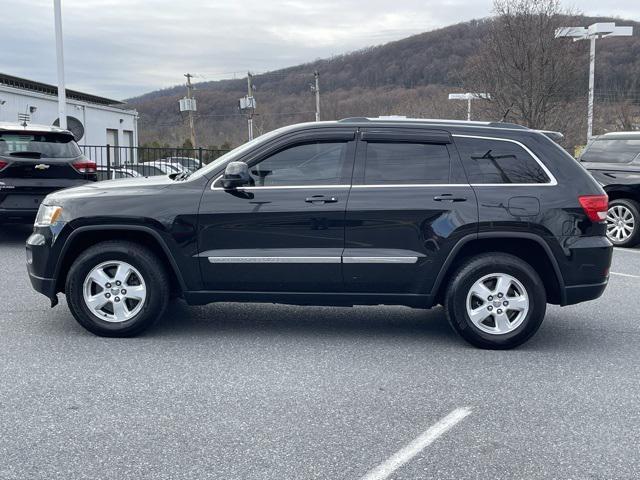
{"x": 496, "y": 301}
{"x": 117, "y": 289}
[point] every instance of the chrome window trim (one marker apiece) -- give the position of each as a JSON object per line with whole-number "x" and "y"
{"x": 281, "y": 187}
{"x": 551, "y": 183}
{"x": 552, "y": 180}
{"x": 412, "y": 185}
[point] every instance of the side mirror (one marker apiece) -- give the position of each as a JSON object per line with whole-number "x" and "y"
{"x": 236, "y": 175}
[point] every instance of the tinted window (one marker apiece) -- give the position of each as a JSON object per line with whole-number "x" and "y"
{"x": 306, "y": 164}
{"x": 611, "y": 151}
{"x": 496, "y": 161}
{"x": 406, "y": 163}
{"x": 38, "y": 145}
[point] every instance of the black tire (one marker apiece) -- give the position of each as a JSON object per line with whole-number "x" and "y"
{"x": 475, "y": 269}
{"x": 145, "y": 262}
{"x": 634, "y": 208}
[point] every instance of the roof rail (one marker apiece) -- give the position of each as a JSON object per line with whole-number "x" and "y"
{"x": 443, "y": 121}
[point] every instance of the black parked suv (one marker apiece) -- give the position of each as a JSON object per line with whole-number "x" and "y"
{"x": 36, "y": 160}
{"x": 493, "y": 221}
{"x": 614, "y": 160}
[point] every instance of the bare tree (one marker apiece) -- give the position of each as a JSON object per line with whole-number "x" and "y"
{"x": 528, "y": 72}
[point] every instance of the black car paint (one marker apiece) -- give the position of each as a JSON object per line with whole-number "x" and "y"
{"x": 190, "y": 220}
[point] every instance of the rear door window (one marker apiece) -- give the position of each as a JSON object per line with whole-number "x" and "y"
{"x": 494, "y": 161}
{"x": 406, "y": 163}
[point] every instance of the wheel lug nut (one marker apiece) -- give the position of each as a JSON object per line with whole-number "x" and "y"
{"x": 506, "y": 304}
{"x": 108, "y": 295}
{"x": 490, "y": 298}
{"x": 117, "y": 299}
{"x": 108, "y": 285}
{"x": 123, "y": 291}
{"x": 499, "y": 312}
{"x": 118, "y": 283}
{"x": 490, "y": 308}
{"x": 500, "y": 295}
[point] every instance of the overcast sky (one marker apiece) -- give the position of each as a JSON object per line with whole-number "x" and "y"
{"x": 122, "y": 48}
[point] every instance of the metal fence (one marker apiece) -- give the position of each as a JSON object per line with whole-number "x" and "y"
{"x": 124, "y": 162}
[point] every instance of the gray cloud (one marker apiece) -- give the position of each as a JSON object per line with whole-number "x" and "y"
{"x": 121, "y": 48}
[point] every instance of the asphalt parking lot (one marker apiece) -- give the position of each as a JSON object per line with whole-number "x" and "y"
{"x": 278, "y": 392}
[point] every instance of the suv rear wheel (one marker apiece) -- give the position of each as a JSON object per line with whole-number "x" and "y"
{"x": 117, "y": 289}
{"x": 622, "y": 223}
{"x": 496, "y": 301}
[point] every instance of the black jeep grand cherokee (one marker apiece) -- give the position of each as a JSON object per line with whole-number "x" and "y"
{"x": 493, "y": 221}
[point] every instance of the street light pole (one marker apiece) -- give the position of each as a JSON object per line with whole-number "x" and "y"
{"x": 62, "y": 97}
{"x": 592, "y": 84}
{"x": 469, "y": 97}
{"x": 592, "y": 33}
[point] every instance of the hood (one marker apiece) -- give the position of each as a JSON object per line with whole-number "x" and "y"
{"x": 127, "y": 187}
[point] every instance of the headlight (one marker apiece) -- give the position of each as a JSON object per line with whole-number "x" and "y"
{"x": 48, "y": 215}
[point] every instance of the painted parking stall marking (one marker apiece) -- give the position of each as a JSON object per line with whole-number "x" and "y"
{"x": 407, "y": 453}
{"x": 626, "y": 275}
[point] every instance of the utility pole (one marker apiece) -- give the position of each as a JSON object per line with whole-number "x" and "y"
{"x": 191, "y": 110}
{"x": 592, "y": 33}
{"x": 62, "y": 93}
{"x": 316, "y": 89}
{"x": 251, "y": 108}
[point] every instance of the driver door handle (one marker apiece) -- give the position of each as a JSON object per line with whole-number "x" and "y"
{"x": 321, "y": 199}
{"x": 448, "y": 197}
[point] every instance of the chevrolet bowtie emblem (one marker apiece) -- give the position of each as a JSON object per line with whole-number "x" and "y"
{"x": 41, "y": 166}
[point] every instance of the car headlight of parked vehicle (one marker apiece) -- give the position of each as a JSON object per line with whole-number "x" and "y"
{"x": 48, "y": 215}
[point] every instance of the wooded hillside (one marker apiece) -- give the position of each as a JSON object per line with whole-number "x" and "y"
{"x": 410, "y": 77}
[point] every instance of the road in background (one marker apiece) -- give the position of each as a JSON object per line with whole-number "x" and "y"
{"x": 275, "y": 392}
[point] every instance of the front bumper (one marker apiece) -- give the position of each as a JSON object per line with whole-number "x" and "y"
{"x": 41, "y": 263}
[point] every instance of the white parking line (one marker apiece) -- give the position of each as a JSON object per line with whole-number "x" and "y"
{"x": 405, "y": 454}
{"x": 625, "y": 275}
{"x": 626, "y": 250}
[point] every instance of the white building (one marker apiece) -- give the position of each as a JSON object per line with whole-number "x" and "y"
{"x": 93, "y": 120}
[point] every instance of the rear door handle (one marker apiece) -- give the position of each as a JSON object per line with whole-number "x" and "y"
{"x": 321, "y": 199}
{"x": 448, "y": 197}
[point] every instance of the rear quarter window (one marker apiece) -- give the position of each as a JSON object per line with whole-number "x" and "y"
{"x": 489, "y": 161}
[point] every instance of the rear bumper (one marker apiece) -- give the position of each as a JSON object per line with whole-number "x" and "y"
{"x": 10, "y": 215}
{"x": 585, "y": 269}
{"x": 583, "y": 293}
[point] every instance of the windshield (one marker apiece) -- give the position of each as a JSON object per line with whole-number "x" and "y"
{"x": 611, "y": 151}
{"x": 40, "y": 145}
{"x": 235, "y": 153}
{"x": 146, "y": 170}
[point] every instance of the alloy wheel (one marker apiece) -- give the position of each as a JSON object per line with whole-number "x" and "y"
{"x": 620, "y": 223}
{"x": 497, "y": 303}
{"x": 114, "y": 291}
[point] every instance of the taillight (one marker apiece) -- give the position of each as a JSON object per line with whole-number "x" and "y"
{"x": 595, "y": 206}
{"x": 84, "y": 167}
{"x": 3, "y": 165}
